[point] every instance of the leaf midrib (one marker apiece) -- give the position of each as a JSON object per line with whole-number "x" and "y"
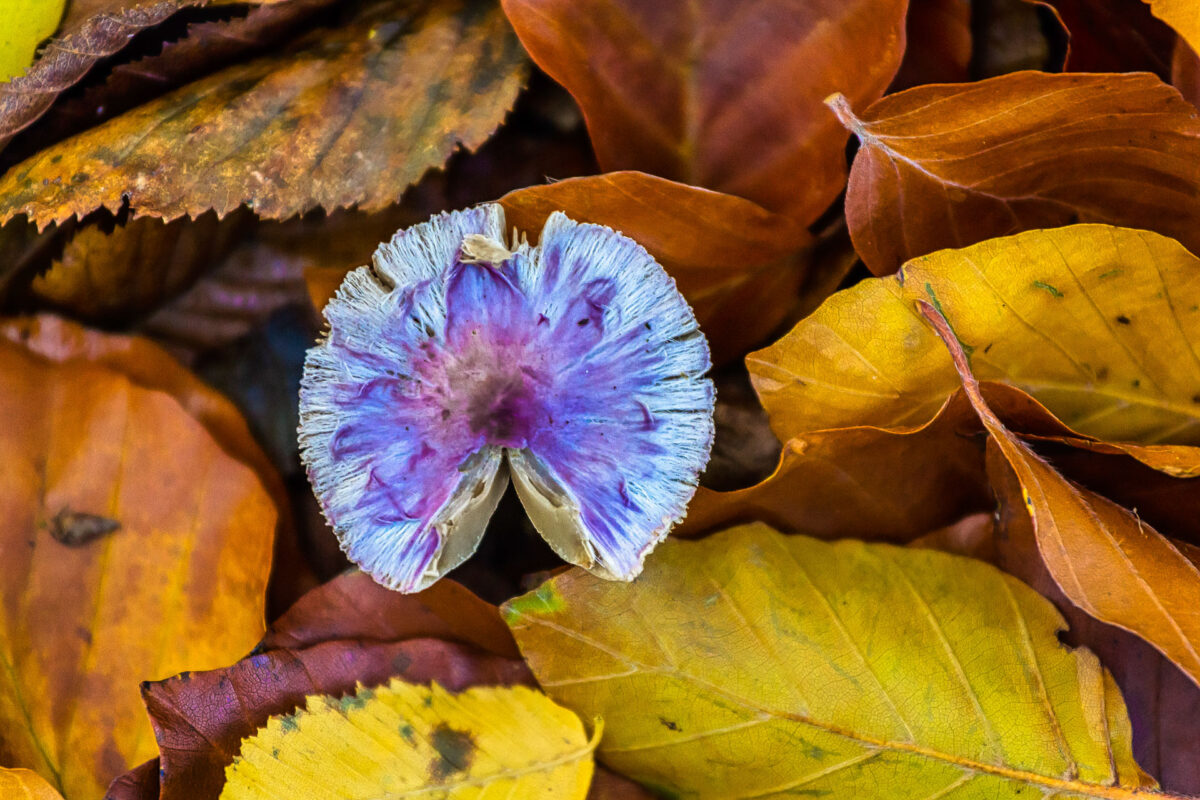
{"x": 1009, "y": 773}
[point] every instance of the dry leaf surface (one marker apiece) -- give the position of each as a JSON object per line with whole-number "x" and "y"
{"x": 864, "y": 670}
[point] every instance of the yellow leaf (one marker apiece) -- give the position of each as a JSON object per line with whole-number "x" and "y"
{"x": 752, "y": 664}
{"x": 23, "y": 784}
{"x": 1182, "y": 15}
{"x": 405, "y": 740}
{"x": 26, "y": 24}
{"x": 1096, "y": 322}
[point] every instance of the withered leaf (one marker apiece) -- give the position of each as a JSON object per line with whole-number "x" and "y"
{"x": 726, "y": 95}
{"x": 1106, "y": 561}
{"x": 948, "y": 166}
{"x": 346, "y": 116}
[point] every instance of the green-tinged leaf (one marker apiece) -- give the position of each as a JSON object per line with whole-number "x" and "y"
{"x": 348, "y": 116}
{"x": 27, "y": 23}
{"x": 752, "y": 664}
{"x": 405, "y": 740}
{"x": 1098, "y": 323}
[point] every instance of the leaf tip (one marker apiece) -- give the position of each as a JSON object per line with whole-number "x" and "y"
{"x": 543, "y": 600}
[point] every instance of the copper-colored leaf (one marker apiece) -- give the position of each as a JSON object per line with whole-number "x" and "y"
{"x": 346, "y": 116}
{"x": 1164, "y": 706}
{"x": 180, "y": 584}
{"x": 1105, "y": 559}
{"x": 862, "y": 482}
{"x": 346, "y": 632}
{"x": 739, "y": 265}
{"x": 941, "y": 33}
{"x": 721, "y": 94}
{"x": 1113, "y": 36}
{"x": 948, "y": 166}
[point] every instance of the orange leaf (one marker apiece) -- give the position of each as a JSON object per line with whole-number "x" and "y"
{"x": 727, "y": 95}
{"x": 346, "y": 116}
{"x": 1105, "y": 559}
{"x": 739, "y": 265}
{"x": 948, "y": 166}
{"x": 179, "y": 584}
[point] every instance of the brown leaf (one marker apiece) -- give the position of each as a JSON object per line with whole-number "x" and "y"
{"x": 941, "y": 33}
{"x": 345, "y": 116}
{"x": 726, "y": 96}
{"x": 608, "y": 785}
{"x": 1113, "y": 36}
{"x": 181, "y": 584}
{"x": 1185, "y": 72}
{"x": 862, "y": 482}
{"x": 1110, "y": 564}
{"x": 346, "y": 632}
{"x": 112, "y": 276}
{"x": 948, "y": 166}
{"x": 739, "y": 265}
{"x": 1164, "y": 705}
{"x": 354, "y": 606}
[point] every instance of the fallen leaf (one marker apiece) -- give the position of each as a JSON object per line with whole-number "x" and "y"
{"x": 1104, "y": 558}
{"x": 346, "y": 631}
{"x": 1096, "y": 322}
{"x": 864, "y": 671}
{"x": 181, "y": 584}
{"x": 23, "y": 784}
{"x": 862, "y": 482}
{"x": 1185, "y": 72}
{"x": 739, "y": 265}
{"x": 29, "y": 22}
{"x": 346, "y": 116}
{"x": 941, "y": 30}
{"x": 140, "y": 783}
{"x": 110, "y": 276}
{"x": 948, "y": 166}
{"x": 1164, "y": 705}
{"x": 1112, "y": 36}
{"x": 91, "y": 31}
{"x": 726, "y": 95}
{"x": 354, "y": 606}
{"x": 402, "y": 739}
{"x": 150, "y": 367}
{"x": 1180, "y": 15}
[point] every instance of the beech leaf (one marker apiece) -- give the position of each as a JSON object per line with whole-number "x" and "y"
{"x": 404, "y": 740}
{"x": 951, "y": 165}
{"x": 1096, "y": 322}
{"x": 346, "y": 116}
{"x": 865, "y": 671}
{"x": 179, "y": 585}
{"x": 721, "y": 94}
{"x": 1103, "y": 557}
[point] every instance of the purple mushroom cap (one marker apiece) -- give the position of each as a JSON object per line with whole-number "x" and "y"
{"x": 575, "y": 366}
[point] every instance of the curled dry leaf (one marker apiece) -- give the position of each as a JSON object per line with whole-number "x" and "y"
{"x": 181, "y": 584}
{"x": 948, "y": 166}
{"x": 1098, "y": 323}
{"x": 865, "y": 670}
{"x": 346, "y": 116}
{"x": 408, "y": 740}
{"x": 347, "y": 631}
{"x": 696, "y": 96}
{"x": 1164, "y": 704}
{"x": 739, "y": 265}
{"x": 1103, "y": 557}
